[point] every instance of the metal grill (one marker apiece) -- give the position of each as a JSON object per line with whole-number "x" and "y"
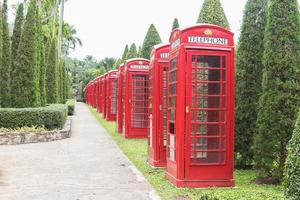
{"x": 208, "y": 110}
{"x": 139, "y": 101}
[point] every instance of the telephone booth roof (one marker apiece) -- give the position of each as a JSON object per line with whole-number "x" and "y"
{"x": 206, "y": 35}
{"x": 136, "y": 64}
{"x": 160, "y": 52}
{"x": 112, "y": 73}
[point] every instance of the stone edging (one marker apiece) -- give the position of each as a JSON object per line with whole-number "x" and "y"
{"x": 27, "y": 138}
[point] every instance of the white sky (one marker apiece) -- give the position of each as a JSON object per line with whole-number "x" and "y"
{"x": 106, "y": 26}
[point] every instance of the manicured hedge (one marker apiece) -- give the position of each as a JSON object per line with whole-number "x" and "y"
{"x": 71, "y": 106}
{"x": 51, "y": 117}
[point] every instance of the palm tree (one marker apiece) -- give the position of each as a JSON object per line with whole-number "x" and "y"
{"x": 70, "y": 40}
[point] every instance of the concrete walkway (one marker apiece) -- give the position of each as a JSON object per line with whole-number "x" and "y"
{"x": 87, "y": 166}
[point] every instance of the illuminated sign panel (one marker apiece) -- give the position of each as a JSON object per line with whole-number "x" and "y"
{"x": 139, "y": 66}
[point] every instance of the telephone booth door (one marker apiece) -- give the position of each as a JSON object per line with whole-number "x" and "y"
{"x": 111, "y": 104}
{"x": 157, "y": 132}
{"x": 200, "y": 129}
{"x": 206, "y": 122}
{"x": 104, "y": 97}
{"x": 120, "y": 99}
{"x": 136, "y": 98}
{"x": 100, "y": 94}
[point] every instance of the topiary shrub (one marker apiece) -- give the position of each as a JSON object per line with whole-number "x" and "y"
{"x": 51, "y": 117}
{"x": 71, "y": 106}
{"x": 292, "y": 166}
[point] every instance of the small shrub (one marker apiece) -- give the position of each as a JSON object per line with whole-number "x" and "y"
{"x": 51, "y": 117}
{"x": 71, "y": 106}
{"x": 292, "y": 166}
{"x": 25, "y": 129}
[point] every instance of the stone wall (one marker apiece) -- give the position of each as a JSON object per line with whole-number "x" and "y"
{"x": 27, "y": 138}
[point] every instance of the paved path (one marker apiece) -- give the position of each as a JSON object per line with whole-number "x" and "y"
{"x": 87, "y": 166}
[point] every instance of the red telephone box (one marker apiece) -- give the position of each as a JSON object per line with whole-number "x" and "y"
{"x": 94, "y": 94}
{"x": 157, "y": 136}
{"x": 104, "y": 85}
{"x": 97, "y": 93}
{"x": 200, "y": 129}
{"x": 111, "y": 104}
{"x": 120, "y": 99}
{"x": 136, "y": 86}
{"x": 100, "y": 94}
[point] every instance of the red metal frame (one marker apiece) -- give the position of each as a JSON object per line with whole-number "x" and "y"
{"x": 200, "y": 128}
{"x": 100, "y": 95}
{"x": 111, "y": 93}
{"x": 157, "y": 136}
{"x": 135, "y": 95}
{"x": 120, "y": 99}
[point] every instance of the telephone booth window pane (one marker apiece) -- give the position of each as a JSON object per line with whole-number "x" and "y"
{"x": 164, "y": 106}
{"x": 139, "y": 105}
{"x": 172, "y": 84}
{"x": 114, "y": 96}
{"x": 208, "y": 110}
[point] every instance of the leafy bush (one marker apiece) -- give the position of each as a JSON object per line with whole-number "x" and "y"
{"x": 292, "y": 166}
{"x": 51, "y": 117}
{"x": 71, "y": 106}
{"x": 32, "y": 129}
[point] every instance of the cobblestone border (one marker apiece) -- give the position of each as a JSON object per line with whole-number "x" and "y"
{"x": 27, "y": 138}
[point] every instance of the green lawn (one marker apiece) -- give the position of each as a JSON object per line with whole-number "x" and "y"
{"x": 136, "y": 151}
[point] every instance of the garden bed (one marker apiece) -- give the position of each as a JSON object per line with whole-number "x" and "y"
{"x": 138, "y": 155}
{"x": 16, "y": 138}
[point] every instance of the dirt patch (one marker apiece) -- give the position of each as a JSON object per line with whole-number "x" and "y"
{"x": 266, "y": 181}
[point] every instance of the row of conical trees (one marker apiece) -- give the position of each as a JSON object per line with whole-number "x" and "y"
{"x": 31, "y": 73}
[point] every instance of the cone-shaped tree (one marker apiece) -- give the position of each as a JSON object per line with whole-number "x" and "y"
{"x": 139, "y": 52}
{"x": 132, "y": 53}
{"x": 175, "y": 24}
{"x": 248, "y": 78}
{"x": 6, "y": 59}
{"x": 60, "y": 81}
{"x": 52, "y": 74}
{"x": 17, "y": 31}
{"x": 280, "y": 98}
{"x": 152, "y": 38}
{"x": 64, "y": 82}
{"x": 25, "y": 85}
{"x": 117, "y": 64}
{"x": 212, "y": 13}
{"x": 292, "y": 165}
{"x": 2, "y": 68}
{"x": 125, "y": 53}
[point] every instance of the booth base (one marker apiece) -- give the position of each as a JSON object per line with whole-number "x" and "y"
{"x": 135, "y": 136}
{"x": 156, "y": 163}
{"x": 200, "y": 183}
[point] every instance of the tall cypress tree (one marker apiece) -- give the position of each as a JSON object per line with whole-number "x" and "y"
{"x": 132, "y": 53}
{"x": 52, "y": 74}
{"x": 248, "y": 78}
{"x": 63, "y": 85}
{"x": 152, "y": 38}
{"x": 175, "y": 24}
{"x": 2, "y": 68}
{"x": 59, "y": 81}
{"x": 25, "y": 86}
{"x": 125, "y": 53}
{"x": 280, "y": 98}
{"x": 17, "y": 31}
{"x": 6, "y": 60}
{"x": 212, "y": 13}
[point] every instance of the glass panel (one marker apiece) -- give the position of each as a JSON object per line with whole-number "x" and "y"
{"x": 208, "y": 110}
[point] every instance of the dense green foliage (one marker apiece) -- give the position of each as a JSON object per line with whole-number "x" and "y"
{"x": 152, "y": 38}
{"x": 175, "y": 24}
{"x": 71, "y": 106}
{"x": 244, "y": 190}
{"x": 212, "y": 13}
{"x": 125, "y": 53}
{"x": 6, "y": 59}
{"x": 280, "y": 98}
{"x": 292, "y": 165}
{"x": 52, "y": 74}
{"x": 17, "y": 31}
{"x": 2, "y": 68}
{"x": 248, "y": 78}
{"x": 25, "y": 86}
{"x": 132, "y": 53}
{"x": 50, "y": 117}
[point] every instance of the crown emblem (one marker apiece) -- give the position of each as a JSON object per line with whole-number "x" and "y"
{"x": 208, "y": 32}
{"x": 140, "y": 62}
